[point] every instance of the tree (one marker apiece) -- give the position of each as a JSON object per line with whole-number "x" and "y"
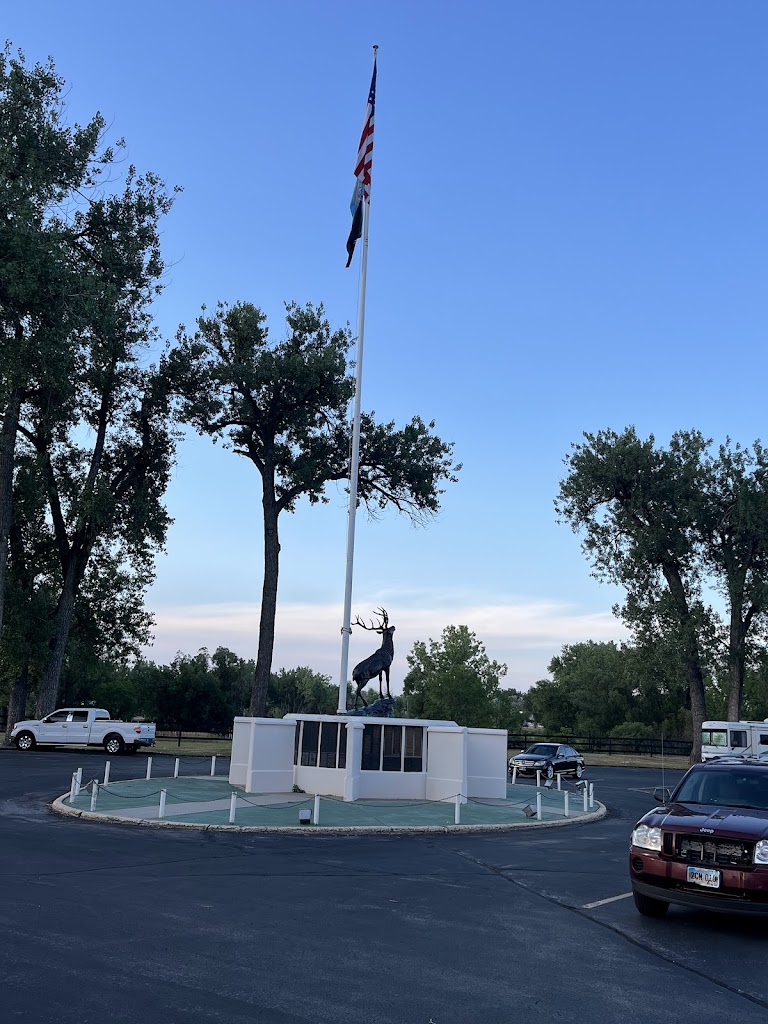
{"x": 80, "y": 263}
{"x": 734, "y": 545}
{"x": 453, "y": 679}
{"x": 45, "y": 166}
{"x": 665, "y": 523}
{"x": 301, "y": 689}
{"x": 284, "y": 407}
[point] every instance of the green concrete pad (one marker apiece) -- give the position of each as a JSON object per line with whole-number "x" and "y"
{"x": 205, "y": 801}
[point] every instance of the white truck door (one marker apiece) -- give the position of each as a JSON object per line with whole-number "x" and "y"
{"x": 53, "y": 728}
{"x": 78, "y": 728}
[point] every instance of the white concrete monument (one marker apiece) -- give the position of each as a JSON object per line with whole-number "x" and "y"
{"x": 359, "y": 757}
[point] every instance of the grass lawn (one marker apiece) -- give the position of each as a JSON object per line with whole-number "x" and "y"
{"x": 192, "y": 748}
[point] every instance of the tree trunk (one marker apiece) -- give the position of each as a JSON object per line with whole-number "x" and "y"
{"x": 258, "y": 706}
{"x": 691, "y": 656}
{"x": 17, "y": 702}
{"x": 736, "y": 661}
{"x": 49, "y": 686}
{"x": 7, "y": 453}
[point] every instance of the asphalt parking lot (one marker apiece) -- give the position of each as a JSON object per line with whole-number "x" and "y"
{"x": 116, "y": 922}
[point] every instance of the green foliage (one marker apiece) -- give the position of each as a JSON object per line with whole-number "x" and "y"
{"x": 86, "y": 427}
{"x": 668, "y": 524}
{"x": 454, "y": 680}
{"x": 600, "y": 689}
{"x": 301, "y": 689}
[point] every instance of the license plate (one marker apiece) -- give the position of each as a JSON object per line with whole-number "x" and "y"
{"x": 701, "y": 876}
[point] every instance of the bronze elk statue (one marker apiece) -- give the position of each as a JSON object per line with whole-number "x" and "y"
{"x": 378, "y": 663}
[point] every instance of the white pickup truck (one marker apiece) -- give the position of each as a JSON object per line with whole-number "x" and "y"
{"x": 83, "y": 727}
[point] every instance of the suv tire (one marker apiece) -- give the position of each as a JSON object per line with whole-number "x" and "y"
{"x": 648, "y": 906}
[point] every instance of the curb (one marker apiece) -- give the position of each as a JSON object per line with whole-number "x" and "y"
{"x": 60, "y": 807}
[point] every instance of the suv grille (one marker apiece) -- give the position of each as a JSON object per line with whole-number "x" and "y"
{"x": 699, "y": 849}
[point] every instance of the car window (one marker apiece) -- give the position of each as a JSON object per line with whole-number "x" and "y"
{"x": 79, "y": 716}
{"x": 733, "y": 788}
{"x": 546, "y": 749}
{"x": 57, "y": 716}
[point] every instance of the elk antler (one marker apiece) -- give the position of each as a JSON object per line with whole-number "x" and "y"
{"x": 375, "y": 629}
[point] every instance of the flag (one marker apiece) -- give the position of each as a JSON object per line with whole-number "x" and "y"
{"x": 363, "y": 164}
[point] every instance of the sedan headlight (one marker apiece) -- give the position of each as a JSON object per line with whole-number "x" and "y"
{"x": 761, "y": 851}
{"x": 650, "y": 838}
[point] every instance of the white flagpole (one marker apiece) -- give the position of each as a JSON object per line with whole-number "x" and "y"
{"x": 346, "y": 629}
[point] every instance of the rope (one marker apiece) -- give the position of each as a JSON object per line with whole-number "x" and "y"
{"x": 291, "y": 803}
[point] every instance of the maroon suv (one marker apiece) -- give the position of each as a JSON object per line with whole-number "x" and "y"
{"x": 707, "y": 847}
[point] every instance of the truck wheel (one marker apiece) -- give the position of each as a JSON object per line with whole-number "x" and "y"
{"x": 114, "y": 744}
{"x": 648, "y": 906}
{"x": 25, "y": 741}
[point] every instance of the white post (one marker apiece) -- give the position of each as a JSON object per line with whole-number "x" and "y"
{"x": 176, "y": 768}
{"x": 161, "y": 808}
{"x": 591, "y": 795}
{"x": 565, "y": 804}
{"x": 72, "y": 787}
{"x": 94, "y": 793}
{"x": 514, "y": 774}
{"x": 79, "y": 779}
{"x": 538, "y": 778}
{"x": 213, "y": 765}
{"x": 559, "y": 779}
{"x": 107, "y": 767}
{"x": 316, "y": 810}
{"x": 538, "y": 806}
{"x": 586, "y": 799}
{"x": 346, "y": 629}
{"x": 149, "y": 768}
{"x": 457, "y": 809}
{"x": 232, "y": 808}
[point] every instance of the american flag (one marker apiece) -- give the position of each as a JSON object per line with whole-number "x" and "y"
{"x": 363, "y": 165}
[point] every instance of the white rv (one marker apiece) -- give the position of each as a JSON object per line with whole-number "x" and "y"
{"x": 747, "y": 738}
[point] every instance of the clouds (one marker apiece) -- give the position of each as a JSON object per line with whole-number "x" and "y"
{"x": 523, "y": 634}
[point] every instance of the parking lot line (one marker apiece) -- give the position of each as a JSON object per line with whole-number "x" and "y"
{"x": 600, "y": 903}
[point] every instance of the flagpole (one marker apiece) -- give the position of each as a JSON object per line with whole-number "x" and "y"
{"x": 346, "y": 629}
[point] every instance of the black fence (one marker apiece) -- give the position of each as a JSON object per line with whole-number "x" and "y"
{"x": 604, "y": 744}
{"x": 198, "y": 737}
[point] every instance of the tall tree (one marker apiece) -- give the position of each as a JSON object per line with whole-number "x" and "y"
{"x": 79, "y": 264}
{"x": 45, "y": 168}
{"x": 284, "y": 407}
{"x": 734, "y": 544}
{"x": 636, "y": 506}
{"x": 665, "y": 524}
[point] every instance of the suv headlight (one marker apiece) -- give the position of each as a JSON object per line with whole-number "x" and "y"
{"x": 761, "y": 851}
{"x": 650, "y": 839}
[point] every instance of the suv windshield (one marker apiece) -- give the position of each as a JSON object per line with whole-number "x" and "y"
{"x": 543, "y": 748}
{"x": 730, "y": 787}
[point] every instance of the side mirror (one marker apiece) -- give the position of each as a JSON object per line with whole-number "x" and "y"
{"x": 662, "y": 794}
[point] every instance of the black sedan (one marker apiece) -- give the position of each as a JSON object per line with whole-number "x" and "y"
{"x": 548, "y": 758}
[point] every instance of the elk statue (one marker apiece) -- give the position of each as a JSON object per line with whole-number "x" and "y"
{"x": 378, "y": 663}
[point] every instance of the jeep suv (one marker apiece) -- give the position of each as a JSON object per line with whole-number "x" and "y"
{"x": 707, "y": 847}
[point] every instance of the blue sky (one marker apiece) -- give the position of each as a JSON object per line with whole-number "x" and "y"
{"x": 568, "y": 233}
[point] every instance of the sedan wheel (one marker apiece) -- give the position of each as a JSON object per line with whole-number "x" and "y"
{"x": 579, "y": 770}
{"x": 550, "y": 771}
